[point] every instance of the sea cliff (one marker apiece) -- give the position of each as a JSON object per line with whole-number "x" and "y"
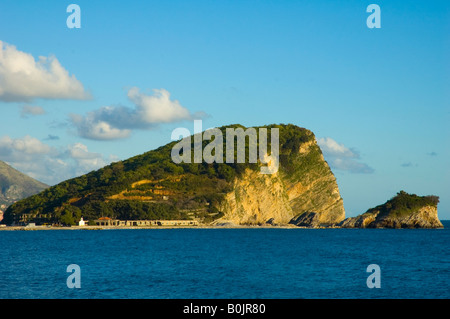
{"x": 285, "y": 198}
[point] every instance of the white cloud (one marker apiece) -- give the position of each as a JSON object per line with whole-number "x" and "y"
{"x": 157, "y": 108}
{"x": 116, "y": 122}
{"x": 22, "y": 146}
{"x": 23, "y": 79}
{"x": 80, "y": 151}
{"x": 333, "y": 148}
{"x": 49, "y": 164}
{"x": 92, "y": 127}
{"x": 28, "y": 155}
{"x": 86, "y": 161}
{"x": 341, "y": 157}
{"x": 27, "y": 110}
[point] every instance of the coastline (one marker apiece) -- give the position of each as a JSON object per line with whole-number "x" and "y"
{"x": 34, "y": 228}
{"x": 221, "y": 226}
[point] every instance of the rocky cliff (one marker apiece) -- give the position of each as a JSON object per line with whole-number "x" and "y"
{"x": 303, "y": 191}
{"x": 303, "y": 187}
{"x": 402, "y": 211}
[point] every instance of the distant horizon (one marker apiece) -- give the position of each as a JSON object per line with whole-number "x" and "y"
{"x": 77, "y": 95}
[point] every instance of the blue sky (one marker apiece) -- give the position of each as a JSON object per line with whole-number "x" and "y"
{"x": 377, "y": 99}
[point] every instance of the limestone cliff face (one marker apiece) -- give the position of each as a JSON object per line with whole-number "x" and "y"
{"x": 303, "y": 192}
{"x": 257, "y": 199}
{"x": 314, "y": 195}
{"x": 402, "y": 211}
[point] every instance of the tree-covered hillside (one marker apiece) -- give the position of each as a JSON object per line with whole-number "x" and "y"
{"x": 152, "y": 186}
{"x": 403, "y": 203}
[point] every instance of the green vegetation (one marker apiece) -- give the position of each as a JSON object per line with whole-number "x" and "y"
{"x": 165, "y": 190}
{"x": 403, "y": 203}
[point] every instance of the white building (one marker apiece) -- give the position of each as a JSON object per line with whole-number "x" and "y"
{"x": 81, "y": 222}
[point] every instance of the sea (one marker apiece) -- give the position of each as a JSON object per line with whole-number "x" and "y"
{"x": 226, "y": 263}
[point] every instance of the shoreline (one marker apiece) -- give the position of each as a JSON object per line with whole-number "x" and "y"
{"x": 224, "y": 226}
{"x": 34, "y": 228}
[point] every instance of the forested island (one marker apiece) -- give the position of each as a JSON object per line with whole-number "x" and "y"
{"x": 150, "y": 186}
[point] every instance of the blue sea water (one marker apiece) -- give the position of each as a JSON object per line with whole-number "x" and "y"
{"x": 226, "y": 263}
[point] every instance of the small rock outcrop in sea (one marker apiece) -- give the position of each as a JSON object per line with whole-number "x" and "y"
{"x": 306, "y": 219}
{"x": 402, "y": 211}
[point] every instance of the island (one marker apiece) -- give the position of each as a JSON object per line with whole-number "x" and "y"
{"x": 153, "y": 190}
{"x": 402, "y": 211}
